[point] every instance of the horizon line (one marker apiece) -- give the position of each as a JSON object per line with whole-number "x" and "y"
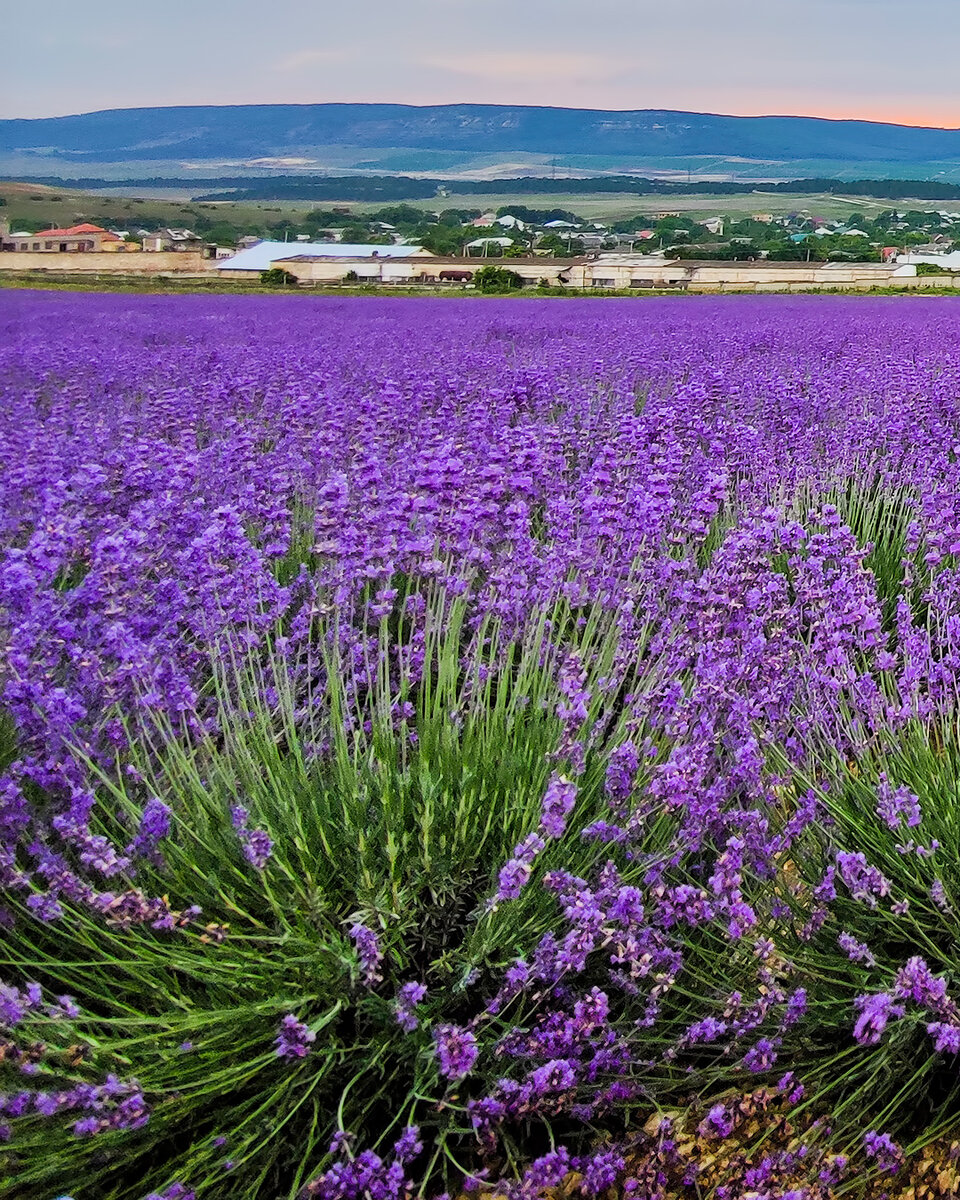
{"x": 917, "y": 123}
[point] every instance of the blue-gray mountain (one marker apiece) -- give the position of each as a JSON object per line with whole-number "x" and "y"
{"x": 262, "y": 130}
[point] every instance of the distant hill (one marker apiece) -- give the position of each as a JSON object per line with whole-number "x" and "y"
{"x": 256, "y": 131}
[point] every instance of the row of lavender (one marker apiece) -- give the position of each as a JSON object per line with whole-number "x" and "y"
{"x": 440, "y": 734}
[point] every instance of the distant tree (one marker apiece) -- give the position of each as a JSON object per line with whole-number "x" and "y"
{"x": 223, "y": 233}
{"x": 557, "y": 246}
{"x": 398, "y": 214}
{"x": 497, "y": 279}
{"x": 788, "y": 252}
{"x": 332, "y": 220}
{"x": 277, "y": 277}
{"x": 356, "y": 234}
{"x": 440, "y": 239}
{"x": 458, "y": 216}
{"x": 537, "y": 216}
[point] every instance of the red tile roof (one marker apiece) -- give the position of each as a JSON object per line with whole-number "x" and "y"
{"x": 74, "y": 231}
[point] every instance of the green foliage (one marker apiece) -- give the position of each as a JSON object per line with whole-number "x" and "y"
{"x": 441, "y": 239}
{"x": 402, "y": 834}
{"x": 277, "y": 277}
{"x": 493, "y": 279}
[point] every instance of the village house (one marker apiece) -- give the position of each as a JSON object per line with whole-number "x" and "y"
{"x": 313, "y": 270}
{"x": 173, "y": 239}
{"x": 264, "y": 255}
{"x": 75, "y": 239}
{"x": 488, "y": 245}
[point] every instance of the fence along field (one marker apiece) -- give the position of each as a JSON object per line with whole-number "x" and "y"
{"x": 477, "y": 746}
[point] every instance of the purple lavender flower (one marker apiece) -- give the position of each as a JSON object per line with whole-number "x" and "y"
{"x": 294, "y": 1038}
{"x": 875, "y": 1012}
{"x": 408, "y": 998}
{"x": 600, "y": 1171}
{"x": 257, "y": 847}
{"x": 762, "y": 1056}
{"x": 880, "y": 1146}
{"x": 896, "y": 806}
{"x": 855, "y": 951}
{"x": 915, "y": 981}
{"x": 256, "y": 843}
{"x": 946, "y": 1037}
{"x": 558, "y": 801}
{"x": 368, "y": 950}
{"x": 408, "y": 1145}
{"x": 154, "y": 827}
{"x": 717, "y": 1123}
{"x": 456, "y": 1050}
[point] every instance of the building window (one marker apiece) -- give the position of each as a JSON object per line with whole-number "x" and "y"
{"x": 603, "y": 283}
{"x": 48, "y": 245}
{"x": 36, "y": 245}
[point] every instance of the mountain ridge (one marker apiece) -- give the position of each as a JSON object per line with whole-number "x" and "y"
{"x": 207, "y": 132}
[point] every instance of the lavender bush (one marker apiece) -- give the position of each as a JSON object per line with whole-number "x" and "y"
{"x": 438, "y": 735}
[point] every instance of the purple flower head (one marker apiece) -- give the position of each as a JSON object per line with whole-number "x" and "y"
{"x": 864, "y": 882}
{"x": 257, "y": 847}
{"x": 875, "y": 1012}
{"x": 294, "y": 1039}
{"x": 897, "y": 806}
{"x": 257, "y": 844}
{"x": 880, "y": 1146}
{"x": 239, "y": 817}
{"x": 555, "y": 1076}
{"x": 796, "y": 1007}
{"x": 513, "y": 877}
{"x": 558, "y": 801}
{"x": 946, "y": 1037}
{"x": 408, "y": 998}
{"x": 154, "y": 827}
{"x": 915, "y": 981}
{"x": 600, "y": 1171}
{"x": 717, "y": 1123}
{"x": 938, "y": 894}
{"x": 456, "y": 1050}
{"x": 856, "y": 951}
{"x": 762, "y": 1056}
{"x": 368, "y": 950}
{"x": 549, "y": 1171}
{"x": 621, "y": 770}
{"x": 408, "y": 1145}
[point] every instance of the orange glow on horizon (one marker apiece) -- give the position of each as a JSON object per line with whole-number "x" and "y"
{"x": 927, "y": 119}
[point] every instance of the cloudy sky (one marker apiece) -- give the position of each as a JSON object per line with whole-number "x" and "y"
{"x": 889, "y": 60}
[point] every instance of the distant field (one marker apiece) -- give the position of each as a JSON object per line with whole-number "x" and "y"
{"x": 618, "y": 206}
{"x": 57, "y": 206}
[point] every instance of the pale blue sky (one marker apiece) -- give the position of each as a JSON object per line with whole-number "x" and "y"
{"x": 891, "y": 60}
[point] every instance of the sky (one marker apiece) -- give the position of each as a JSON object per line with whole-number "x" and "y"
{"x": 884, "y": 60}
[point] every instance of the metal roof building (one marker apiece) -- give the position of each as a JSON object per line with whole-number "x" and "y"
{"x": 260, "y": 256}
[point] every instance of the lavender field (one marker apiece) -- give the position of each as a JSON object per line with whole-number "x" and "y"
{"x": 487, "y": 746}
